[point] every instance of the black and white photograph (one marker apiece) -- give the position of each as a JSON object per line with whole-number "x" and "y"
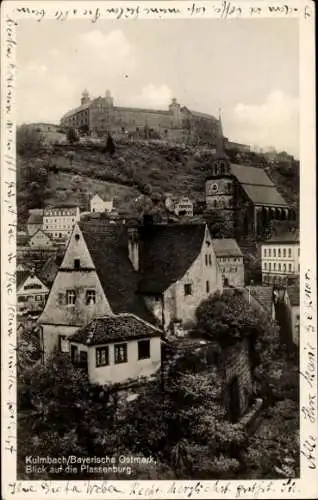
{"x": 158, "y": 262}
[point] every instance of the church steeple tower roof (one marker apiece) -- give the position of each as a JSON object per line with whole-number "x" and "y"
{"x": 220, "y": 150}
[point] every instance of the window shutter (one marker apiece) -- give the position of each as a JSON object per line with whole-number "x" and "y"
{"x": 61, "y": 298}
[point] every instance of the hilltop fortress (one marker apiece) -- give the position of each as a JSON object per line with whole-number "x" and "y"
{"x": 99, "y": 116}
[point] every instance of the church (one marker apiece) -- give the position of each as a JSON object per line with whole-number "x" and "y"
{"x": 245, "y": 195}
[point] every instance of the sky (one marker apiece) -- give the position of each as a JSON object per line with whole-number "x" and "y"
{"x": 247, "y": 68}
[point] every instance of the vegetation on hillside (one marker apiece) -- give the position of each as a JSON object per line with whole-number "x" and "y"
{"x": 149, "y": 166}
{"x": 60, "y": 413}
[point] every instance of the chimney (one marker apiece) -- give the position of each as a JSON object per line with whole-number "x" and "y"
{"x": 133, "y": 247}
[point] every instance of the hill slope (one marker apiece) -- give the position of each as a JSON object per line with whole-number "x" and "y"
{"x": 63, "y": 173}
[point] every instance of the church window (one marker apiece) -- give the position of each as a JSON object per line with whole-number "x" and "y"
{"x": 90, "y": 297}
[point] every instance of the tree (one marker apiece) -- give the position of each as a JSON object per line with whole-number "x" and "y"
{"x": 29, "y": 141}
{"x": 72, "y": 136}
{"x": 110, "y": 145}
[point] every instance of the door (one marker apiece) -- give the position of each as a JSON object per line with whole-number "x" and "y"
{"x": 234, "y": 405}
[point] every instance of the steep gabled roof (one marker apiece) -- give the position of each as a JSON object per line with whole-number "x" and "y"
{"x": 226, "y": 247}
{"x": 166, "y": 253}
{"x": 108, "y": 248}
{"x": 50, "y": 268}
{"x": 114, "y": 328}
{"x": 21, "y": 277}
{"x": 257, "y": 185}
{"x": 264, "y": 296}
{"x": 36, "y": 218}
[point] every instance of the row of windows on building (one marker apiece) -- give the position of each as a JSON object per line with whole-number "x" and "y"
{"x": 102, "y": 357}
{"x": 69, "y": 297}
{"x": 59, "y": 213}
{"x": 278, "y": 252}
{"x": 229, "y": 259}
{"x": 279, "y": 267}
{"x": 223, "y": 203}
{"x": 228, "y": 269}
{"x": 30, "y": 298}
{"x": 188, "y": 288}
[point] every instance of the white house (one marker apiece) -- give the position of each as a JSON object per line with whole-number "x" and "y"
{"x": 99, "y": 205}
{"x": 59, "y": 221}
{"x": 230, "y": 260}
{"x": 95, "y": 278}
{"x": 116, "y": 349}
{"x": 40, "y": 239}
{"x": 31, "y": 292}
{"x": 184, "y": 206}
{"x": 280, "y": 257}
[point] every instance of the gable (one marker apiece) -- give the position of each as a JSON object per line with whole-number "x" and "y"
{"x": 77, "y": 249}
{"x": 32, "y": 284}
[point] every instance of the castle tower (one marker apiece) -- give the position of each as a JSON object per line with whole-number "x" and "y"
{"x": 85, "y": 97}
{"x": 219, "y": 186}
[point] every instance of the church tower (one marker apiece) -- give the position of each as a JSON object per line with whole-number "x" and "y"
{"x": 219, "y": 186}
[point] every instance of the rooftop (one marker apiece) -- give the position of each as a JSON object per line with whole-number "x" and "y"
{"x": 114, "y": 328}
{"x": 166, "y": 253}
{"x": 108, "y": 247}
{"x": 226, "y": 247}
{"x": 264, "y": 296}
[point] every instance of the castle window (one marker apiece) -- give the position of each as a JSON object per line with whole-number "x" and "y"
{"x": 90, "y": 297}
{"x": 207, "y": 286}
{"x": 70, "y": 297}
{"x": 188, "y": 289}
{"x": 120, "y": 353}
{"x": 144, "y": 349}
{"x": 102, "y": 356}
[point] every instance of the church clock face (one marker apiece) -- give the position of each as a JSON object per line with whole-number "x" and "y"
{"x": 213, "y": 188}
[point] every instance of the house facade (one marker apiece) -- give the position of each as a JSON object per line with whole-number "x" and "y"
{"x": 58, "y": 222}
{"x": 184, "y": 206}
{"x": 32, "y": 293}
{"x": 97, "y": 204}
{"x": 230, "y": 259}
{"x": 280, "y": 257}
{"x": 94, "y": 279}
{"x": 116, "y": 349}
{"x": 178, "y": 269}
{"x": 40, "y": 240}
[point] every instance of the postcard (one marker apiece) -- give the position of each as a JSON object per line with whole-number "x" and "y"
{"x": 158, "y": 223}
